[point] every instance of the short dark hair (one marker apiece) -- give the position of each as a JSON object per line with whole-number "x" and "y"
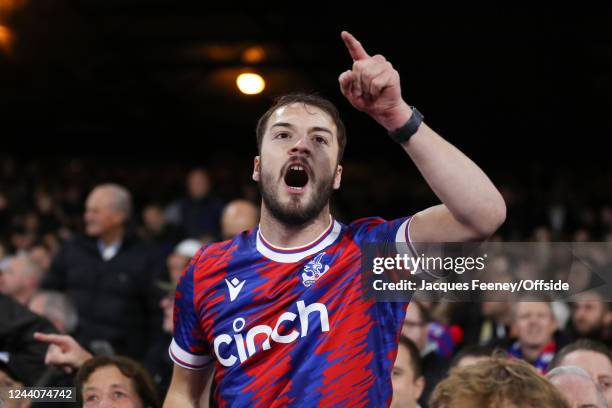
{"x": 133, "y": 370}
{"x": 307, "y": 99}
{"x": 415, "y": 357}
{"x": 580, "y": 345}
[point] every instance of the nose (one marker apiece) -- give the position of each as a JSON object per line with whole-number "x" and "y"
{"x": 301, "y": 146}
{"x": 106, "y": 403}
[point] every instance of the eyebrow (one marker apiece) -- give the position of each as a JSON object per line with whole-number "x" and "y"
{"x": 312, "y": 129}
{"x": 92, "y": 388}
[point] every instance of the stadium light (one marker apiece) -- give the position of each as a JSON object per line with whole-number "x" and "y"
{"x": 250, "y": 83}
{"x": 6, "y": 39}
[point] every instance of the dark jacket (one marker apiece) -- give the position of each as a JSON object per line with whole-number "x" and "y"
{"x": 25, "y": 355}
{"x": 117, "y": 300}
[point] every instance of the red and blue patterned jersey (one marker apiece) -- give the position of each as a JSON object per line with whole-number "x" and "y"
{"x": 290, "y": 327}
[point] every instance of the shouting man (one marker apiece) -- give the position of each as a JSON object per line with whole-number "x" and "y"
{"x": 279, "y": 309}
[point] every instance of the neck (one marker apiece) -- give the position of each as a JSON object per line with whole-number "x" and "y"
{"x": 24, "y": 296}
{"x": 290, "y": 236}
{"x": 112, "y": 236}
{"x": 531, "y": 352}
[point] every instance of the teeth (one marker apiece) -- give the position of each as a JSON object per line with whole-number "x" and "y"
{"x": 296, "y": 188}
{"x": 297, "y": 167}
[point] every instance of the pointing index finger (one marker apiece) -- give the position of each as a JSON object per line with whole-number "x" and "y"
{"x": 354, "y": 47}
{"x": 50, "y": 338}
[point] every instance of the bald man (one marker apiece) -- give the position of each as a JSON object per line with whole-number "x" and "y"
{"x": 594, "y": 357}
{"x": 110, "y": 276}
{"x": 577, "y": 386}
{"x": 238, "y": 216}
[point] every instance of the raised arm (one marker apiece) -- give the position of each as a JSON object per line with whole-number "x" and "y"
{"x": 472, "y": 208}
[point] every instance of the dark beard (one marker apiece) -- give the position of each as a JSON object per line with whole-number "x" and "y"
{"x": 295, "y": 214}
{"x": 594, "y": 333}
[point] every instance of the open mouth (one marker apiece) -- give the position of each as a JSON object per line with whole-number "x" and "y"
{"x": 296, "y": 177}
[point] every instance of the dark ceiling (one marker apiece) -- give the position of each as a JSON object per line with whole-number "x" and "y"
{"x": 122, "y": 76}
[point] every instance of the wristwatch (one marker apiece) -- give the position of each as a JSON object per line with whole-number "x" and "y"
{"x": 402, "y": 134}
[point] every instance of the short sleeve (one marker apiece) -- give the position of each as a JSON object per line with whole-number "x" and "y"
{"x": 378, "y": 230}
{"x": 189, "y": 347}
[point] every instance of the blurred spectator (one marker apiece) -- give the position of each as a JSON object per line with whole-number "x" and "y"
{"x": 498, "y": 382}
{"x": 115, "y": 381}
{"x": 416, "y": 329}
{"x": 47, "y": 213}
{"x": 21, "y": 355}
{"x": 51, "y": 242}
{"x": 471, "y": 355}
{"x": 157, "y": 230}
{"x": 582, "y": 235}
{"x": 31, "y": 223}
{"x": 161, "y": 367}
{"x": 199, "y": 213}
{"x": 110, "y": 277}
{"x": 535, "y": 324}
{"x": 57, "y": 308}
{"x": 577, "y": 386}
{"x": 21, "y": 239}
{"x": 72, "y": 205}
{"x": 591, "y": 317}
{"x": 407, "y": 377}
{"x": 20, "y": 278}
{"x": 176, "y": 263}
{"x": 178, "y": 260}
{"x": 594, "y": 357}
{"x": 238, "y": 216}
{"x": 496, "y": 326}
{"x": 541, "y": 234}
{"x": 496, "y": 312}
{"x": 41, "y": 256}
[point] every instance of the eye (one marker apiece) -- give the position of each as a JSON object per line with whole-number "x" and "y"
{"x": 118, "y": 395}
{"x": 91, "y": 398}
{"x": 320, "y": 139}
{"x": 282, "y": 135}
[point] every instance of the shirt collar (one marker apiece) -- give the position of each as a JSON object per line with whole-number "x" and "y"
{"x": 295, "y": 254}
{"x": 109, "y": 251}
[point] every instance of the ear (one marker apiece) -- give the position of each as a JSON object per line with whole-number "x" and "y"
{"x": 337, "y": 177}
{"x": 256, "y": 167}
{"x": 419, "y": 386}
{"x": 608, "y": 317}
{"x": 121, "y": 218}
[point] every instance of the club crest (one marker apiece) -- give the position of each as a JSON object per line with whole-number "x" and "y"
{"x": 314, "y": 270}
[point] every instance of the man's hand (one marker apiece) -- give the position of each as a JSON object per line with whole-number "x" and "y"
{"x": 373, "y": 86}
{"x": 63, "y": 351}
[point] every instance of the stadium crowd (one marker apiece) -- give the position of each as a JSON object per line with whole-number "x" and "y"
{"x": 90, "y": 255}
